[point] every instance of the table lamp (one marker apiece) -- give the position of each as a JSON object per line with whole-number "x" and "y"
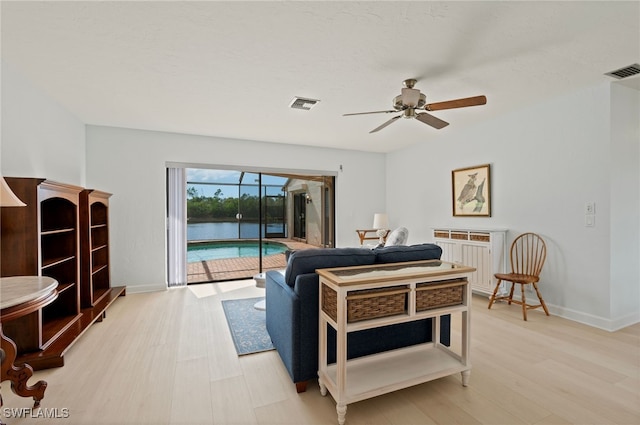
{"x": 7, "y": 197}
{"x": 381, "y": 224}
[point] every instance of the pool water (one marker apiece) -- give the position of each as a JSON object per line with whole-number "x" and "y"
{"x": 231, "y": 249}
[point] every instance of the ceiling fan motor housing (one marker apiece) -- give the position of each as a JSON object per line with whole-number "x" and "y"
{"x": 399, "y": 103}
{"x": 409, "y": 113}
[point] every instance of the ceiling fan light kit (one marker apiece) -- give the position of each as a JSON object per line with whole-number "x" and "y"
{"x": 411, "y": 99}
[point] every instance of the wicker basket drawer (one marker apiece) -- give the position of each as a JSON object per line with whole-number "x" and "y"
{"x": 443, "y": 293}
{"x": 367, "y": 303}
{"x": 441, "y": 234}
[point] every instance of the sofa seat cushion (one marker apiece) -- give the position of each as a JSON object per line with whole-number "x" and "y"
{"x": 397, "y": 254}
{"x": 308, "y": 260}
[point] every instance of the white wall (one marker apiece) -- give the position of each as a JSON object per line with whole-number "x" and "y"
{"x": 547, "y": 161}
{"x": 40, "y": 138}
{"x": 131, "y": 165}
{"x": 625, "y": 202}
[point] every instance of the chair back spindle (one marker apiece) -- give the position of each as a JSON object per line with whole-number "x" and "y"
{"x": 528, "y": 254}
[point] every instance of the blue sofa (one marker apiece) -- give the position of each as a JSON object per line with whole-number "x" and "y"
{"x": 292, "y": 308}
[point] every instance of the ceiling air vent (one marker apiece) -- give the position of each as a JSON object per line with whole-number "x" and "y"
{"x": 303, "y": 103}
{"x": 627, "y": 71}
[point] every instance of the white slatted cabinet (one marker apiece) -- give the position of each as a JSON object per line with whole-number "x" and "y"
{"x": 485, "y": 250}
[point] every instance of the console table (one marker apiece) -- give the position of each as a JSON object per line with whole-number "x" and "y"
{"x": 404, "y": 292}
{"x": 22, "y": 296}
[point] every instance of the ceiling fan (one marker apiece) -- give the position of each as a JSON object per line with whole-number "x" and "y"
{"x": 411, "y": 100}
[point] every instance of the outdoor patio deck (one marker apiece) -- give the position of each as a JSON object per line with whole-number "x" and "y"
{"x": 241, "y": 267}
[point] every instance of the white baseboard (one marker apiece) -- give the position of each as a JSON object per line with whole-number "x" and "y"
{"x": 136, "y": 289}
{"x": 603, "y": 323}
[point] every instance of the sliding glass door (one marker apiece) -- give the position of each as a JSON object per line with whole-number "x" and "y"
{"x": 242, "y": 223}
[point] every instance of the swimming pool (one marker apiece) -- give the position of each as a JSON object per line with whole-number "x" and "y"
{"x": 204, "y": 251}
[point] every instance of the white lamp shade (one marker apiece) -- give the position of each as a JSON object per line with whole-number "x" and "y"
{"x": 380, "y": 221}
{"x": 7, "y": 197}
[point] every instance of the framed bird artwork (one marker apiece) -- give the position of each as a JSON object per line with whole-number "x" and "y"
{"x": 471, "y": 188}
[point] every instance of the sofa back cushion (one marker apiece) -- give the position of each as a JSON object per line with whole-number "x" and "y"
{"x": 396, "y": 254}
{"x": 308, "y": 260}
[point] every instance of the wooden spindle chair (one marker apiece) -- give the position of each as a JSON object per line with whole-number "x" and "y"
{"x": 528, "y": 253}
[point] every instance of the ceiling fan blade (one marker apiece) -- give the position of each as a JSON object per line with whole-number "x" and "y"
{"x": 457, "y": 103}
{"x": 392, "y": 120}
{"x": 429, "y": 119}
{"x": 374, "y": 112}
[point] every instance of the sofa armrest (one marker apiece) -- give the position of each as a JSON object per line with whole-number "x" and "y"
{"x": 281, "y": 306}
{"x": 276, "y": 277}
{"x": 278, "y": 295}
{"x": 292, "y": 322}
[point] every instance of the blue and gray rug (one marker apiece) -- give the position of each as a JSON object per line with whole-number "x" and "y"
{"x": 247, "y": 325}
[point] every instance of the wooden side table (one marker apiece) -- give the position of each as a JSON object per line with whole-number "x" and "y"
{"x": 21, "y": 296}
{"x": 362, "y": 235}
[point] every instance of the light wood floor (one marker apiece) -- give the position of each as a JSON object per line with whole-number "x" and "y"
{"x": 168, "y": 358}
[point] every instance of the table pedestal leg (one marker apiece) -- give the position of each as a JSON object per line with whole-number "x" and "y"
{"x": 18, "y": 375}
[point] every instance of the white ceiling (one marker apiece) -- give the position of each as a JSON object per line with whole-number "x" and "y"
{"x": 230, "y": 69}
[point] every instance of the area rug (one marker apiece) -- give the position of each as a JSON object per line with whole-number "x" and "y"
{"x": 247, "y": 325}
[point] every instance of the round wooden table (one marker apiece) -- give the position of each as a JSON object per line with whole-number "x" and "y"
{"x": 19, "y": 296}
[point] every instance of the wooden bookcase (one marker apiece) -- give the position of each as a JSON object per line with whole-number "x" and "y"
{"x": 44, "y": 239}
{"x": 59, "y": 255}
{"x": 41, "y": 239}
{"x": 94, "y": 233}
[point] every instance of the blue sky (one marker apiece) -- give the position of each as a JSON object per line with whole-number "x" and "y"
{"x": 228, "y": 176}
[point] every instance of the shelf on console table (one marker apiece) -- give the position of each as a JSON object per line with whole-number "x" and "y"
{"x": 350, "y": 381}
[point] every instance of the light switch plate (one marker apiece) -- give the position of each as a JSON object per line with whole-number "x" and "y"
{"x": 590, "y": 208}
{"x": 589, "y": 220}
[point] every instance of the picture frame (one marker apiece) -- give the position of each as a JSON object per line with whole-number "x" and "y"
{"x": 471, "y": 191}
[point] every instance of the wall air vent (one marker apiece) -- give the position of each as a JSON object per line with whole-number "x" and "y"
{"x": 303, "y": 103}
{"x": 627, "y": 71}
